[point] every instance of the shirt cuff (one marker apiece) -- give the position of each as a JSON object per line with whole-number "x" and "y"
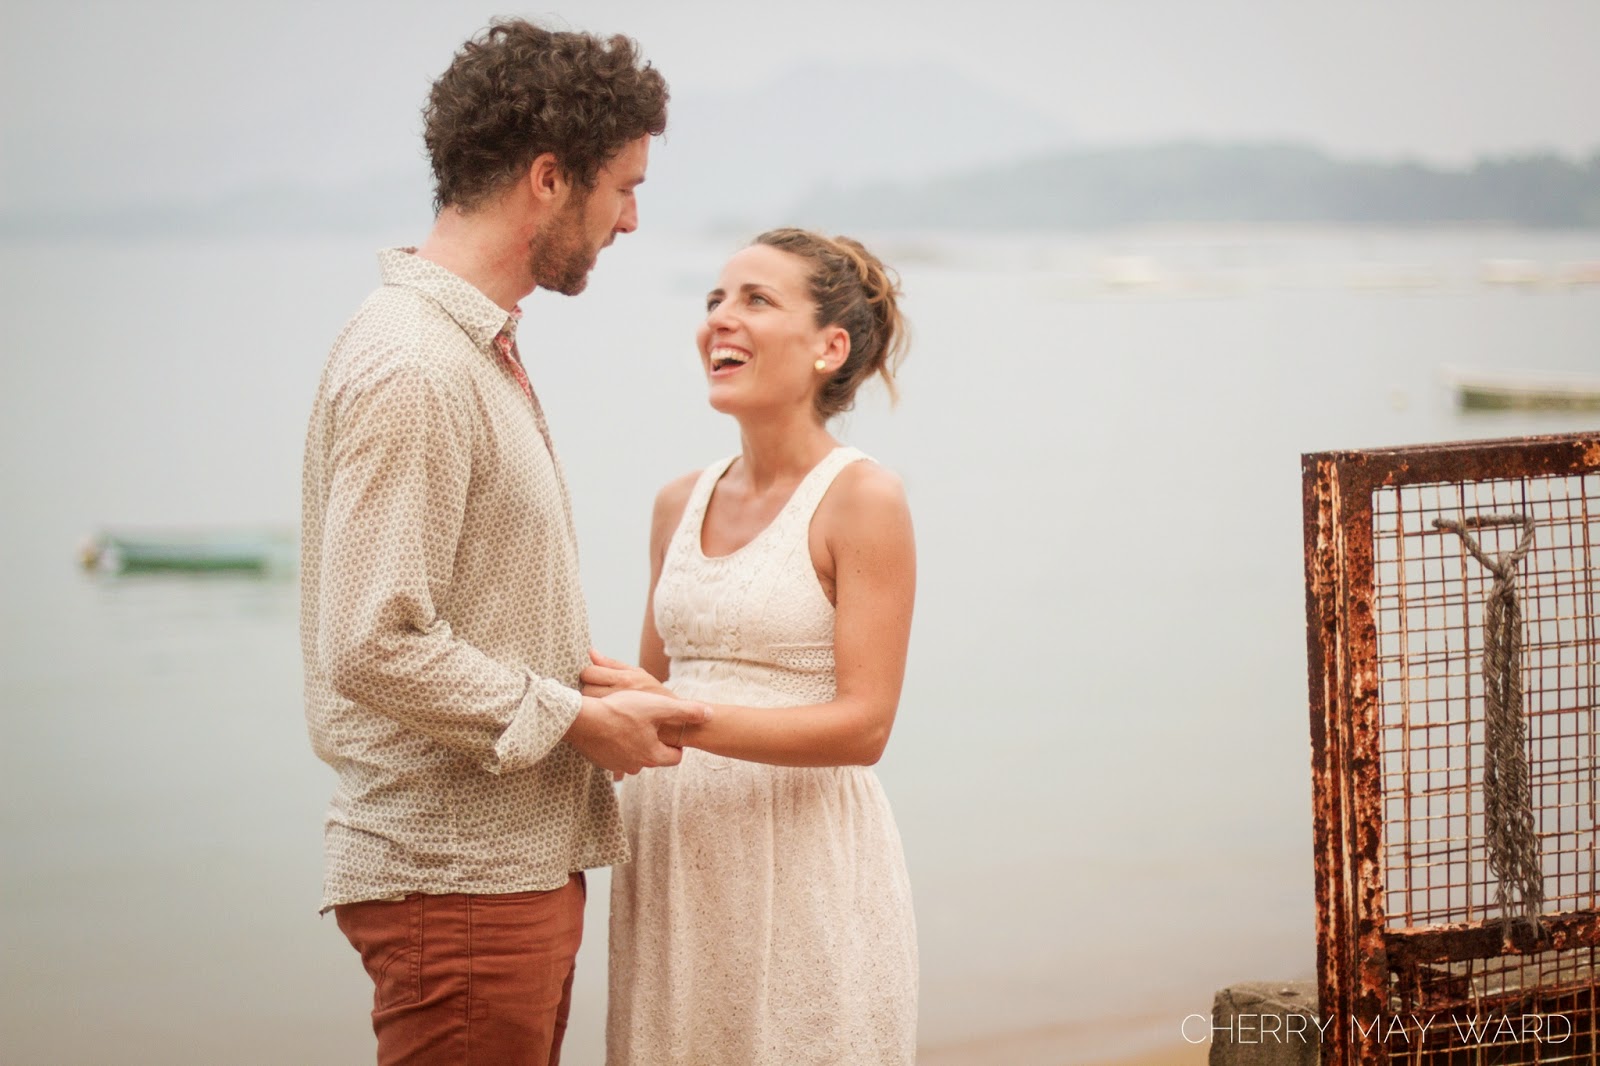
{"x": 542, "y": 719}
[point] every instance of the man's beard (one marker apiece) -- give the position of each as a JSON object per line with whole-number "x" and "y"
{"x": 559, "y": 255}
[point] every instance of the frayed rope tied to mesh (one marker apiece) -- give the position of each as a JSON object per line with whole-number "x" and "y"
{"x": 1507, "y": 797}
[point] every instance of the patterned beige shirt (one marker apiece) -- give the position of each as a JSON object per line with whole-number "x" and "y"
{"x": 442, "y": 623}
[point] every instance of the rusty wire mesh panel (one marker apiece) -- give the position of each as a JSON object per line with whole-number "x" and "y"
{"x": 1411, "y": 926}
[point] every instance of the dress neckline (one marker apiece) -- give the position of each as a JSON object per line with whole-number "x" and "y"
{"x": 718, "y": 475}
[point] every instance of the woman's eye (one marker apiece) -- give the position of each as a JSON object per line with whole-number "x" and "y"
{"x": 711, "y": 304}
{"x": 756, "y": 297}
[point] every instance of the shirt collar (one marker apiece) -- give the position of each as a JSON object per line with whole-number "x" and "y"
{"x": 477, "y": 315}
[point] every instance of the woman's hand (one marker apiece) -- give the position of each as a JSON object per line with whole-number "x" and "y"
{"x": 606, "y": 675}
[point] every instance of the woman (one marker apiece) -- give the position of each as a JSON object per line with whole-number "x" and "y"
{"x": 766, "y": 915}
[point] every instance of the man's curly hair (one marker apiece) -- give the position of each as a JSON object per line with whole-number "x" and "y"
{"x": 517, "y": 90}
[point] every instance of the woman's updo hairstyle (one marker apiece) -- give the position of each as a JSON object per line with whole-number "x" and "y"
{"x": 852, "y": 289}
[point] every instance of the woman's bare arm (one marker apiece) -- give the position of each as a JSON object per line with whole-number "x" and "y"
{"x": 864, "y": 524}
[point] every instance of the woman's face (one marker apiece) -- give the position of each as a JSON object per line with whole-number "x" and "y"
{"x": 759, "y": 343}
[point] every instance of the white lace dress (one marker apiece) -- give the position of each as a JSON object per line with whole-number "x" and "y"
{"x": 765, "y": 919}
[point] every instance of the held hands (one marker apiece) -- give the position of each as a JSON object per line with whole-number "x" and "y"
{"x": 606, "y": 675}
{"x": 623, "y": 718}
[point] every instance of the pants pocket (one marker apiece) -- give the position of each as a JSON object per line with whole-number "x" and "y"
{"x": 388, "y": 936}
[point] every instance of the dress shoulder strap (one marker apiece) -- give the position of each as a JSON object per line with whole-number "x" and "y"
{"x": 808, "y": 494}
{"x": 694, "y": 511}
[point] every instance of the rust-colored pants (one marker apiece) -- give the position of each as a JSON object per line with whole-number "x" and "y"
{"x": 469, "y": 980}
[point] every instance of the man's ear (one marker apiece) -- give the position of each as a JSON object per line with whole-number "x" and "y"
{"x": 546, "y": 179}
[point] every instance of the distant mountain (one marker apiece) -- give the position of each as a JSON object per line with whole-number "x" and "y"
{"x": 401, "y": 203}
{"x": 1221, "y": 183}
{"x": 740, "y": 158}
{"x": 882, "y": 149}
{"x": 744, "y": 157}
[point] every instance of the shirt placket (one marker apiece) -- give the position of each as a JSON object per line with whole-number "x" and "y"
{"x": 505, "y": 343}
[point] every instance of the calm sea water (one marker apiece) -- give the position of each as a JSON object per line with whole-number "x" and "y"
{"x": 1101, "y": 765}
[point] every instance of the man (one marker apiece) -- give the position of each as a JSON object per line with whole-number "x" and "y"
{"x": 443, "y": 627}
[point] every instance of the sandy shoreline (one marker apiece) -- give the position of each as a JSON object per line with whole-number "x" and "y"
{"x": 1074, "y": 1044}
{"x": 1039, "y": 1052}
{"x": 1029, "y": 1052}
{"x": 1182, "y": 1054}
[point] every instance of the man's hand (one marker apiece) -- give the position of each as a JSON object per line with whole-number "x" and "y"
{"x": 621, "y": 732}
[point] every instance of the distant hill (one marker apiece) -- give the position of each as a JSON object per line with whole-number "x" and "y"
{"x": 401, "y": 204}
{"x": 727, "y": 167}
{"x": 746, "y": 156}
{"x": 738, "y": 157}
{"x": 1221, "y": 183}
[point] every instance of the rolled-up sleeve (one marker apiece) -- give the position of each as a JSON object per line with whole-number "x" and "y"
{"x": 442, "y": 620}
{"x": 401, "y": 461}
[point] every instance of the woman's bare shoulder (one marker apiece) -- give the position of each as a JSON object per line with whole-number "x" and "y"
{"x": 866, "y": 494}
{"x": 670, "y": 503}
{"x": 868, "y": 482}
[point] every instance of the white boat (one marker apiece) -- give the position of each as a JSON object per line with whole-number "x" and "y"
{"x": 1512, "y": 272}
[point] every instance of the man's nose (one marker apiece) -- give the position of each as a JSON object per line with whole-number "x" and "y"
{"x": 629, "y": 219}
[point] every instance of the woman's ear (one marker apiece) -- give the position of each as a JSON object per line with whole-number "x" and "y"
{"x": 836, "y": 349}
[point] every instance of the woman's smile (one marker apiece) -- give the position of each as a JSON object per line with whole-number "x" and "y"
{"x": 726, "y": 359}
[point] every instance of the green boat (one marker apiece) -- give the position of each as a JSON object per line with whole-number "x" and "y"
{"x": 261, "y": 552}
{"x": 1525, "y": 391}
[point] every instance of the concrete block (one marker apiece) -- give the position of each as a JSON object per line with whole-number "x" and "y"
{"x": 1265, "y": 1023}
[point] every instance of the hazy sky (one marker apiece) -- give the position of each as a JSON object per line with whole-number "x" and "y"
{"x": 116, "y": 101}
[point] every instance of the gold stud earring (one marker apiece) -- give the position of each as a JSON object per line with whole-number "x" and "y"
{"x": 822, "y": 364}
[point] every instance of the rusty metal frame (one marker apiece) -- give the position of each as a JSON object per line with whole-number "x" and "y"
{"x": 1356, "y": 952}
